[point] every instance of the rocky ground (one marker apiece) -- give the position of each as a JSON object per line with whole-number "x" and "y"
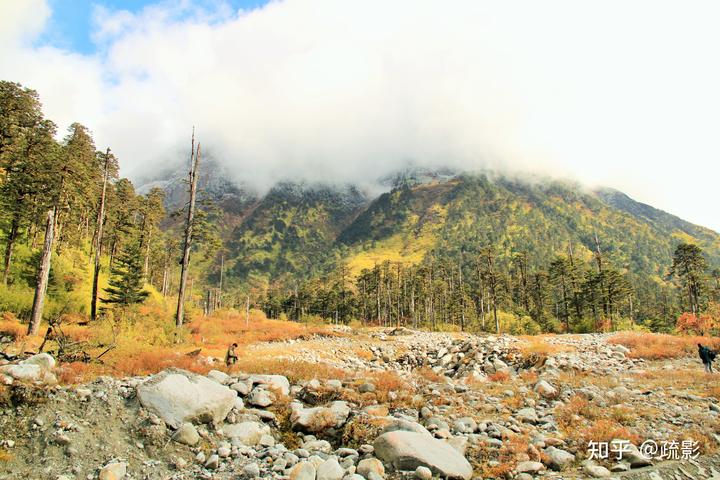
{"x": 382, "y": 404}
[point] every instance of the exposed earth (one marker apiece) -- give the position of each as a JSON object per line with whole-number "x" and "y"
{"x": 382, "y": 404}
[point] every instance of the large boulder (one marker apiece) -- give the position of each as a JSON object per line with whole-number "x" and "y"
{"x": 405, "y": 450}
{"x": 178, "y": 396}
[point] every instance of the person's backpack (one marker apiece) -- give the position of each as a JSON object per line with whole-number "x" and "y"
{"x": 711, "y": 355}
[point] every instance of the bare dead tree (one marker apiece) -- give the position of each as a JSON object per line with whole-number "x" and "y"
{"x": 194, "y": 163}
{"x": 43, "y": 275}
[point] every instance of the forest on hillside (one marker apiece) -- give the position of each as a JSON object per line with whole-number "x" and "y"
{"x": 79, "y": 242}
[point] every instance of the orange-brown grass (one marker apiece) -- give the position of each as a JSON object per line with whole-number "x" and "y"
{"x": 159, "y": 358}
{"x": 4, "y": 455}
{"x": 705, "y": 444}
{"x": 362, "y": 353}
{"x": 656, "y": 346}
{"x": 514, "y": 402}
{"x": 606, "y": 430}
{"x": 10, "y": 325}
{"x": 499, "y": 377}
{"x": 78, "y": 333}
{"x": 529, "y": 376}
{"x": 227, "y": 326}
{"x": 386, "y": 382}
{"x": 713, "y": 391}
{"x": 538, "y": 346}
{"x": 79, "y": 372}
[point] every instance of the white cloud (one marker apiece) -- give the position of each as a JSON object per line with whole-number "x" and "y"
{"x": 615, "y": 93}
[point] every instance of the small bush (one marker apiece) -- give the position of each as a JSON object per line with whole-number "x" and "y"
{"x": 499, "y": 377}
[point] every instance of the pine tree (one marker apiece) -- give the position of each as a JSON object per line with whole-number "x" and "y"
{"x": 689, "y": 265}
{"x": 126, "y": 282}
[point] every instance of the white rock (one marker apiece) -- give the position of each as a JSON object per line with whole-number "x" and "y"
{"x": 330, "y": 469}
{"x": 249, "y": 433}
{"x": 178, "y": 396}
{"x": 303, "y": 471}
{"x": 278, "y": 382}
{"x": 409, "y": 450}
{"x": 187, "y": 434}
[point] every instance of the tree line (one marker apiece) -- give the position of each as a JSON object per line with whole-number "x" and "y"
{"x": 59, "y": 196}
{"x": 488, "y": 293}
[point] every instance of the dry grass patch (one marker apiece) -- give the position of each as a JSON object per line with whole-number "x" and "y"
{"x": 147, "y": 362}
{"x": 537, "y": 346}
{"x": 10, "y": 325}
{"x": 295, "y": 370}
{"x": 656, "y": 346}
{"x": 429, "y": 374}
{"x": 5, "y": 455}
{"x": 227, "y": 326}
{"x": 80, "y": 372}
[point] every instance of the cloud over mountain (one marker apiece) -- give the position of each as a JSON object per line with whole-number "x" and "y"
{"x": 612, "y": 93}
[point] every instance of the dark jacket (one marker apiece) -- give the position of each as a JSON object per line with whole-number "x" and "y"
{"x": 706, "y": 355}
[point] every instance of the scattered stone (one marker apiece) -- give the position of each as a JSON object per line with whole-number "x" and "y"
{"x": 330, "y": 469}
{"x": 368, "y": 465}
{"x": 302, "y": 471}
{"x": 558, "y": 459}
{"x": 113, "y": 471}
{"x": 187, "y": 434}
{"x": 423, "y": 473}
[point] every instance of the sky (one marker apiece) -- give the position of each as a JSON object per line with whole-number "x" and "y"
{"x": 619, "y": 93}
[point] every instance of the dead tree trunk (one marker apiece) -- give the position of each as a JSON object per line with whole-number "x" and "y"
{"x": 194, "y": 162}
{"x": 98, "y": 247}
{"x": 43, "y": 275}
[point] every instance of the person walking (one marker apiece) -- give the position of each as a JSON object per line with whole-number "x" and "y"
{"x": 707, "y": 356}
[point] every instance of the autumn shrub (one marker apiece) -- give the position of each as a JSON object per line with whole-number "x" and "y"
{"x": 362, "y": 429}
{"x": 573, "y": 411}
{"x": 388, "y": 381}
{"x": 499, "y": 377}
{"x": 699, "y": 324}
{"x": 606, "y": 430}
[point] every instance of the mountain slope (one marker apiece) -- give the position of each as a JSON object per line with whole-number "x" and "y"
{"x": 299, "y": 231}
